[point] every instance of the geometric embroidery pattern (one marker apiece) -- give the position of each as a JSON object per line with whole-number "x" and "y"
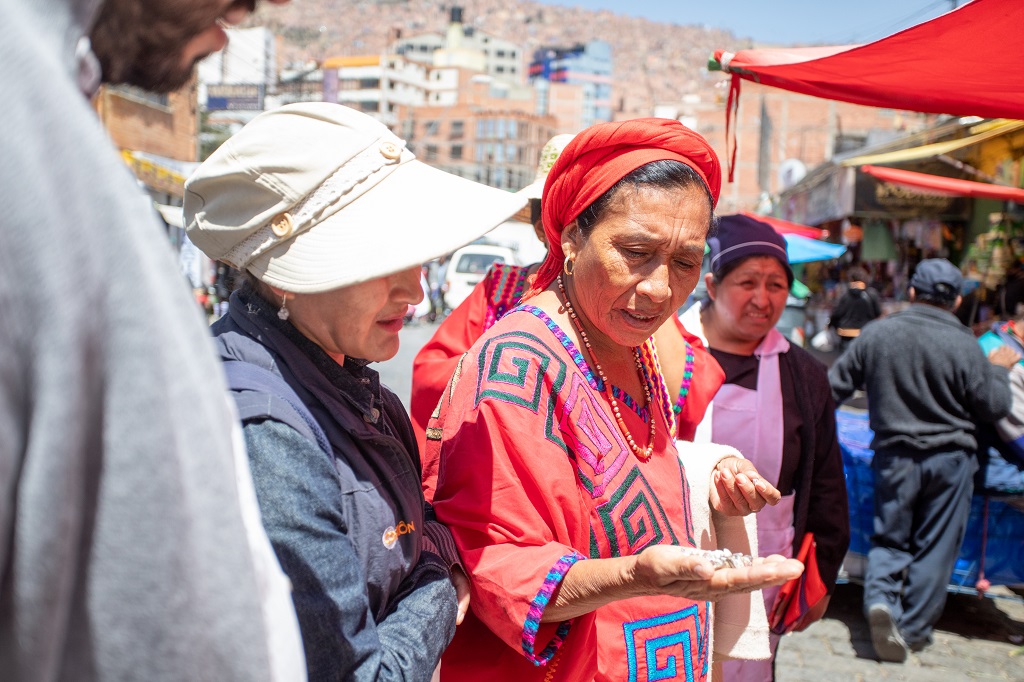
{"x": 632, "y": 519}
{"x": 512, "y": 369}
{"x": 628, "y": 401}
{"x": 668, "y": 647}
{"x": 592, "y": 436}
{"x": 433, "y": 432}
{"x": 504, "y": 286}
{"x": 581, "y": 364}
{"x": 570, "y": 347}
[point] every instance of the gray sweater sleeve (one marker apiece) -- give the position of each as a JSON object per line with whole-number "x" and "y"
{"x": 847, "y": 373}
{"x": 989, "y": 390}
{"x": 300, "y": 501}
{"x": 123, "y": 550}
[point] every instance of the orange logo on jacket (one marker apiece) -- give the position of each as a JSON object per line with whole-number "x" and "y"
{"x": 392, "y": 533}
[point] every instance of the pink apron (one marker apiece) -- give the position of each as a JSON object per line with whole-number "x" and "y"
{"x": 752, "y": 422}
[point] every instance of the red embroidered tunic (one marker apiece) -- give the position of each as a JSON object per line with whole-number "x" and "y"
{"x": 499, "y": 292}
{"x": 534, "y": 476}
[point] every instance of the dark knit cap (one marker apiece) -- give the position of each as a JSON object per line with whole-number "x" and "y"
{"x": 740, "y": 237}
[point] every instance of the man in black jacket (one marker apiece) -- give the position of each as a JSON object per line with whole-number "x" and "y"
{"x": 927, "y": 382}
{"x": 858, "y": 306}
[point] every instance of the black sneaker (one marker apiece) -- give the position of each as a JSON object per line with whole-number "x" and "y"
{"x": 885, "y": 637}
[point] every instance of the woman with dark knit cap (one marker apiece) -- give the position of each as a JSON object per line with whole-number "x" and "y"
{"x": 775, "y": 407}
{"x": 557, "y": 470}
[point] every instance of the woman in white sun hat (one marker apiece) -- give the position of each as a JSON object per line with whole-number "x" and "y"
{"x": 330, "y": 217}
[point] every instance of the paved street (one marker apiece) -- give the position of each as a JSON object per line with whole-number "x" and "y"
{"x": 977, "y": 639}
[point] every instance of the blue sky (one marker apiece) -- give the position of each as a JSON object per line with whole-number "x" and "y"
{"x": 828, "y": 22}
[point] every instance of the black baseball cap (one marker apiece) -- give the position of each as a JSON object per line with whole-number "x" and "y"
{"x": 937, "y": 277}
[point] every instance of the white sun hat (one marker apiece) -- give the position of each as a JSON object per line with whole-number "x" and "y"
{"x": 548, "y": 155}
{"x": 315, "y": 196}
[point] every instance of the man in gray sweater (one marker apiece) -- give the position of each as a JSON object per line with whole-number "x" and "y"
{"x": 928, "y": 383}
{"x": 130, "y": 543}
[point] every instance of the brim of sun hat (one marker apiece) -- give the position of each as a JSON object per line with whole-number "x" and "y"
{"x": 535, "y": 190}
{"x": 416, "y": 214}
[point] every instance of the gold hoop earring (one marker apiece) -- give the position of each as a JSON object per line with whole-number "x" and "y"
{"x": 569, "y": 266}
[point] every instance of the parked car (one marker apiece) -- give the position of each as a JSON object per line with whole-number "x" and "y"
{"x": 793, "y": 323}
{"x": 468, "y": 266}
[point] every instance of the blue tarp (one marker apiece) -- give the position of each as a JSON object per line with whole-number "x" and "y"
{"x": 1004, "y": 549}
{"x": 803, "y": 250}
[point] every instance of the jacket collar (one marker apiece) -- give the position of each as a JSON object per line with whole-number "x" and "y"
{"x": 935, "y": 313}
{"x": 354, "y": 381}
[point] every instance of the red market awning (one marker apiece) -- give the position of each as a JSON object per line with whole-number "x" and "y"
{"x": 965, "y": 63}
{"x": 786, "y": 227}
{"x": 937, "y": 184}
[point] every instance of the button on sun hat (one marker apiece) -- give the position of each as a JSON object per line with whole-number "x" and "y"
{"x": 315, "y": 196}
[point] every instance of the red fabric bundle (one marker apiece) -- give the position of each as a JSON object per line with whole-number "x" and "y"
{"x": 599, "y": 157}
{"x": 799, "y": 595}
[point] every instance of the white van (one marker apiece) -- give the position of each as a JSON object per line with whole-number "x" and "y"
{"x": 467, "y": 268}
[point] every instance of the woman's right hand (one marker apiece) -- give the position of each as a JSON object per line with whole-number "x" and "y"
{"x": 665, "y": 569}
{"x": 659, "y": 570}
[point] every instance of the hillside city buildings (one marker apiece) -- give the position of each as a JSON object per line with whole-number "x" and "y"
{"x": 481, "y": 106}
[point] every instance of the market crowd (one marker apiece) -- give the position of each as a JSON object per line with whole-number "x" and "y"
{"x": 590, "y": 487}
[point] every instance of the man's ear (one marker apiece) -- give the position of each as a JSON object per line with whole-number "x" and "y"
{"x": 538, "y": 229}
{"x": 912, "y": 294}
{"x": 711, "y": 285}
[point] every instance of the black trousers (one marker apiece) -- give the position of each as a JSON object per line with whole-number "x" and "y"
{"x": 922, "y": 502}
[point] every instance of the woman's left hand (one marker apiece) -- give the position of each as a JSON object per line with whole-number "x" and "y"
{"x": 737, "y": 489}
{"x": 461, "y": 583}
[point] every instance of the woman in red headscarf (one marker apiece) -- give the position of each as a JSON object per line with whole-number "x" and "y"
{"x": 557, "y": 470}
{"x": 500, "y": 291}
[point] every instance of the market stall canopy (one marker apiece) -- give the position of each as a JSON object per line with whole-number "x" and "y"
{"x": 786, "y": 227}
{"x": 979, "y": 133}
{"x": 803, "y": 250}
{"x": 937, "y": 184}
{"x": 159, "y": 172}
{"x": 961, "y": 63}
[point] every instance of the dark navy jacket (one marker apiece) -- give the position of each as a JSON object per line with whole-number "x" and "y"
{"x": 347, "y": 526}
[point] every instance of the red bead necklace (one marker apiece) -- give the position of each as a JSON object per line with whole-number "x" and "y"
{"x": 643, "y": 454}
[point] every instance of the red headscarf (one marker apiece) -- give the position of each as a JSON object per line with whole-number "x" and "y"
{"x": 599, "y": 157}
